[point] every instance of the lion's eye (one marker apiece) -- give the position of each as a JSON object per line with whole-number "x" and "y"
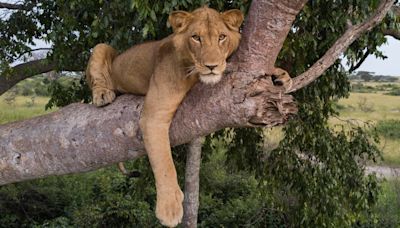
{"x": 222, "y": 37}
{"x": 196, "y": 38}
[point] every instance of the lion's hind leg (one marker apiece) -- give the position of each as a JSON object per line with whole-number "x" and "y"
{"x": 98, "y": 74}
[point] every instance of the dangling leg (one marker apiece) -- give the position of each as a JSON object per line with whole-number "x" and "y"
{"x": 159, "y": 108}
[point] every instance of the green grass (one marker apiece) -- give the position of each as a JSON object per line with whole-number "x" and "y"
{"x": 22, "y": 108}
{"x": 379, "y": 109}
{"x": 389, "y": 128}
{"x": 388, "y": 206}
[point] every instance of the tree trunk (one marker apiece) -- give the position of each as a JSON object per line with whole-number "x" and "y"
{"x": 81, "y": 137}
{"x": 192, "y": 182}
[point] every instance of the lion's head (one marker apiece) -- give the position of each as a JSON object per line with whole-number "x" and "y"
{"x": 206, "y": 38}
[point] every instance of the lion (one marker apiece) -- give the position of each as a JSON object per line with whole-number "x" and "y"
{"x": 164, "y": 71}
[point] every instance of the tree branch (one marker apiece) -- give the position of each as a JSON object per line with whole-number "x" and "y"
{"x": 12, "y": 76}
{"x": 192, "y": 182}
{"x": 30, "y": 51}
{"x": 81, "y": 137}
{"x": 340, "y": 46}
{"x": 4, "y": 5}
{"x": 266, "y": 21}
{"x": 363, "y": 58}
{"x": 392, "y": 32}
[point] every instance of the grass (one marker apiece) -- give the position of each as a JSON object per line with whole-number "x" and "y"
{"x": 22, "y": 108}
{"x": 379, "y": 109}
{"x": 383, "y": 107}
{"x": 388, "y": 206}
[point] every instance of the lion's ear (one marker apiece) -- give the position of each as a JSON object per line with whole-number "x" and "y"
{"x": 233, "y": 18}
{"x": 179, "y": 20}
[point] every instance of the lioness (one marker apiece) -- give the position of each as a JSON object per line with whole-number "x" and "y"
{"x": 164, "y": 71}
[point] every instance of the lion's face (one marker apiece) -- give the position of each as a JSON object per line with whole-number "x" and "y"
{"x": 206, "y": 38}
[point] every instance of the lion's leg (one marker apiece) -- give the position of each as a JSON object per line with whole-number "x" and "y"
{"x": 282, "y": 78}
{"x": 98, "y": 74}
{"x": 159, "y": 108}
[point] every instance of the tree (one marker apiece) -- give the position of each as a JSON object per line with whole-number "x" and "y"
{"x": 294, "y": 35}
{"x": 365, "y": 75}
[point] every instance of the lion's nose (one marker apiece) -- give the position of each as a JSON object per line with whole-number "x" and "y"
{"x": 211, "y": 67}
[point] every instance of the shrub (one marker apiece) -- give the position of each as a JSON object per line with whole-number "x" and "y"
{"x": 360, "y": 88}
{"x": 389, "y": 128}
{"x": 364, "y": 105}
{"x": 394, "y": 92}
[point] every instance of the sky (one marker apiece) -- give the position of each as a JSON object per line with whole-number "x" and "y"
{"x": 389, "y": 66}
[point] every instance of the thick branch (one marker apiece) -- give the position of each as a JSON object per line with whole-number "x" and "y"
{"x": 393, "y": 33}
{"x": 81, "y": 137}
{"x": 23, "y": 71}
{"x": 192, "y": 183}
{"x": 4, "y": 5}
{"x": 26, "y": 70}
{"x": 265, "y": 23}
{"x": 340, "y": 46}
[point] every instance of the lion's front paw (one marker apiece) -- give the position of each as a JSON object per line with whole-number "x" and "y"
{"x": 169, "y": 209}
{"x": 281, "y": 77}
{"x": 102, "y": 96}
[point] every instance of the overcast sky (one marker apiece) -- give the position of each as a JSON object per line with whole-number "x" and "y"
{"x": 389, "y": 66}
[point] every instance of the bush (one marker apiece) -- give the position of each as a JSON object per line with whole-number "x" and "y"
{"x": 35, "y": 86}
{"x": 389, "y": 128}
{"x": 360, "y": 88}
{"x": 364, "y": 105}
{"x": 394, "y": 92}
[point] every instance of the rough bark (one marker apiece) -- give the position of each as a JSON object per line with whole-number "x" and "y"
{"x": 192, "y": 183}
{"x": 82, "y": 137}
{"x": 266, "y": 21}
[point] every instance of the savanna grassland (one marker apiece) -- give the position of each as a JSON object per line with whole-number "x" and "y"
{"x": 23, "y": 107}
{"x": 373, "y": 103}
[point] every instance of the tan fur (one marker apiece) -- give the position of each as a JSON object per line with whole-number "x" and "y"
{"x": 282, "y": 78}
{"x": 164, "y": 71}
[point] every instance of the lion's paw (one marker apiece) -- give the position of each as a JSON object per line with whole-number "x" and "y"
{"x": 169, "y": 209}
{"x": 102, "y": 96}
{"x": 281, "y": 77}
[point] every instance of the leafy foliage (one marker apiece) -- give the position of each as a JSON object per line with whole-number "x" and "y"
{"x": 315, "y": 178}
{"x": 65, "y": 91}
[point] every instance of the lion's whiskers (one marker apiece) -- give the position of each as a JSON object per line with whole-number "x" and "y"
{"x": 190, "y": 71}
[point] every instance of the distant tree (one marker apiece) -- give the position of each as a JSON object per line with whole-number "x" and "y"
{"x": 365, "y": 75}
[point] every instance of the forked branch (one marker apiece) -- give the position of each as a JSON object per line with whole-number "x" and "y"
{"x": 352, "y": 33}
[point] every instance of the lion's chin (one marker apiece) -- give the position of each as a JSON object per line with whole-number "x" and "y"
{"x": 210, "y": 79}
